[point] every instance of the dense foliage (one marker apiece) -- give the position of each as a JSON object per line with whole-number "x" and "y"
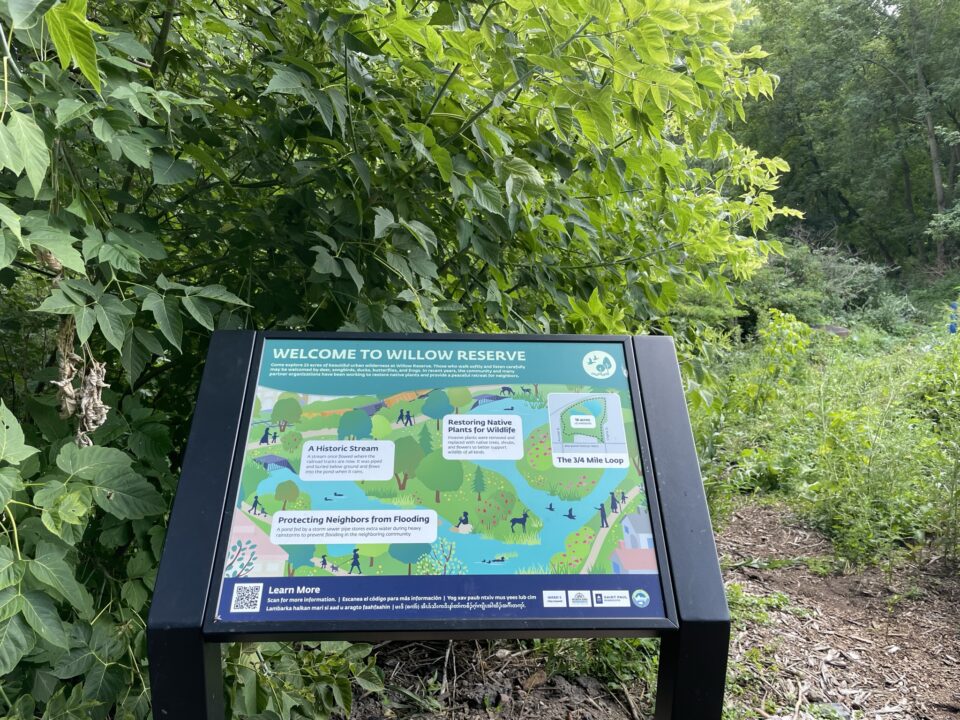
{"x": 172, "y": 167}
{"x": 868, "y": 115}
{"x": 859, "y": 433}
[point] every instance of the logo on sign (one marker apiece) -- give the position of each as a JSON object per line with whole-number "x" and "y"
{"x": 641, "y": 598}
{"x": 599, "y": 364}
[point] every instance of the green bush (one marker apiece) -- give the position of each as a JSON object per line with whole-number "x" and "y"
{"x": 863, "y": 440}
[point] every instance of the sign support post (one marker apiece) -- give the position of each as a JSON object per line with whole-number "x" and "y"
{"x": 693, "y": 660}
{"x": 566, "y": 401}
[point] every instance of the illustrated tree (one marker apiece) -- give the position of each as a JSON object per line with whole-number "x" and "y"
{"x": 407, "y": 455}
{"x": 425, "y": 440}
{"x": 375, "y": 550}
{"x": 437, "y": 405}
{"x": 292, "y": 441}
{"x": 286, "y": 492}
{"x": 257, "y": 407}
{"x": 409, "y": 553}
{"x": 479, "y": 483}
{"x": 459, "y": 397}
{"x": 381, "y": 427}
{"x": 441, "y": 560}
{"x": 354, "y": 425}
{"x": 286, "y": 411}
{"x": 440, "y": 474}
{"x": 297, "y": 556}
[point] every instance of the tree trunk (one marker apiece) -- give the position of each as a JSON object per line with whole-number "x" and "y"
{"x": 436, "y": 498}
{"x": 371, "y": 561}
{"x": 401, "y": 482}
{"x": 478, "y": 497}
{"x": 935, "y": 161}
{"x": 409, "y": 568}
{"x": 284, "y": 505}
{"x": 283, "y": 425}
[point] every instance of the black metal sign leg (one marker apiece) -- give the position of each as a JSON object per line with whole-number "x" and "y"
{"x": 693, "y": 669}
{"x": 186, "y": 676}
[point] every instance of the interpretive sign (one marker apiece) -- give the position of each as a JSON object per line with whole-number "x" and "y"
{"x": 390, "y": 479}
{"x": 437, "y": 486}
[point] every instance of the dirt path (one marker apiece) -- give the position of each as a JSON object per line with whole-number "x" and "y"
{"x": 613, "y": 519}
{"x": 874, "y": 645}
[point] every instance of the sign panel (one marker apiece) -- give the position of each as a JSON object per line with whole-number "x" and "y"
{"x": 440, "y": 480}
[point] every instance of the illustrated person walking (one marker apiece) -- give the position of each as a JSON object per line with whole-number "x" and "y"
{"x": 265, "y": 438}
{"x": 256, "y": 504}
{"x": 623, "y": 498}
{"x": 409, "y": 420}
{"x": 275, "y": 436}
{"x": 355, "y": 562}
{"x": 400, "y": 419}
{"x": 614, "y": 505}
{"x": 603, "y": 516}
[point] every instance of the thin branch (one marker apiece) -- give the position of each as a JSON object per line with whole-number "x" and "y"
{"x": 7, "y": 56}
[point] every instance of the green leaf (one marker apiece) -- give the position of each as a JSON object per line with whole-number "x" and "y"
{"x": 86, "y": 320}
{"x": 70, "y": 109}
{"x": 382, "y": 221}
{"x": 12, "y": 221}
{"x": 10, "y": 156}
{"x": 49, "y": 567}
{"x": 424, "y": 235}
{"x": 9, "y": 247}
{"x": 60, "y": 243}
{"x": 126, "y": 495}
{"x": 488, "y": 196}
{"x": 286, "y": 82}
{"x": 167, "y": 170}
{"x": 325, "y": 263}
{"x": 166, "y": 311}
{"x": 16, "y": 640}
{"x": 76, "y": 662}
{"x": 72, "y": 36}
{"x": 134, "y": 149}
{"x": 11, "y": 569}
{"x": 103, "y": 130}
{"x": 41, "y": 615}
{"x": 443, "y": 160}
{"x": 12, "y": 448}
{"x": 133, "y": 356}
{"x": 134, "y": 594}
{"x": 220, "y": 294}
{"x": 58, "y": 304}
{"x": 87, "y": 463}
{"x": 104, "y": 683}
{"x": 28, "y": 138}
{"x": 26, "y": 13}
{"x": 112, "y": 318}
{"x": 354, "y": 274}
{"x": 10, "y": 483}
{"x": 199, "y": 310}
{"x": 523, "y": 170}
{"x": 10, "y": 603}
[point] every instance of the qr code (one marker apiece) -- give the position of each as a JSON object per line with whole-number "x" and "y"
{"x": 246, "y": 597}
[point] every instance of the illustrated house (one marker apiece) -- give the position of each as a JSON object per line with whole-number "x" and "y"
{"x": 635, "y": 554}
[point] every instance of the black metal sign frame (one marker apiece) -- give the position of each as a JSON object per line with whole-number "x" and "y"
{"x": 184, "y": 637}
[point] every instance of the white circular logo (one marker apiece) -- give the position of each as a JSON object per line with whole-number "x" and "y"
{"x": 599, "y": 364}
{"x": 641, "y": 598}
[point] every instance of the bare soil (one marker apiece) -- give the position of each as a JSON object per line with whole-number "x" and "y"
{"x": 877, "y": 645}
